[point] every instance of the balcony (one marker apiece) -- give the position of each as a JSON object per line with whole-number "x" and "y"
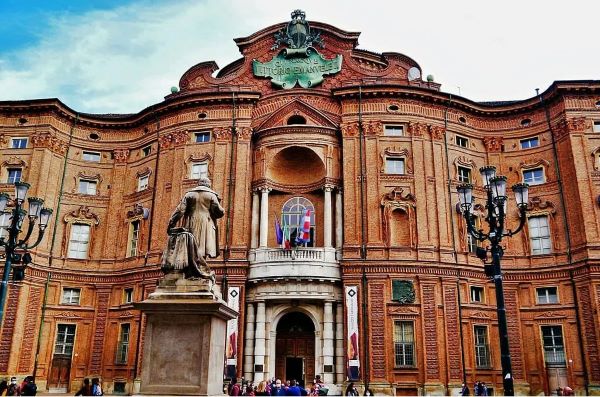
{"x": 297, "y": 263}
{"x": 555, "y": 357}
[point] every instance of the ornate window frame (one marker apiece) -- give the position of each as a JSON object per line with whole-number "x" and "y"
{"x": 145, "y": 173}
{"x": 464, "y": 162}
{"x": 82, "y": 216}
{"x": 87, "y": 177}
{"x": 198, "y": 158}
{"x": 395, "y": 200}
{"x": 13, "y": 162}
{"x": 395, "y": 153}
{"x": 539, "y": 207}
{"x": 540, "y": 163}
{"x": 137, "y": 214}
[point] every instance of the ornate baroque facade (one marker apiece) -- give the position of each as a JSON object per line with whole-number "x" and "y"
{"x": 376, "y": 153}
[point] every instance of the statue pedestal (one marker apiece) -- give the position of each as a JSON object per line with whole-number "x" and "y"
{"x": 184, "y": 341}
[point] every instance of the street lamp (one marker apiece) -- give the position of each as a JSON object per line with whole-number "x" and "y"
{"x": 13, "y": 243}
{"x": 495, "y": 187}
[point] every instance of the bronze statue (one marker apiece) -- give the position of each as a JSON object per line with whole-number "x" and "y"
{"x": 197, "y": 236}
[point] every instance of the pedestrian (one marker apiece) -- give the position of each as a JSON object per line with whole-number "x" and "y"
{"x": 13, "y": 388}
{"x": 484, "y": 390}
{"x": 28, "y": 387}
{"x": 261, "y": 389}
{"x": 96, "y": 387}
{"x": 86, "y": 388}
{"x": 294, "y": 389}
{"x": 234, "y": 388}
{"x": 351, "y": 390}
{"x": 278, "y": 390}
{"x": 465, "y": 390}
{"x": 3, "y": 388}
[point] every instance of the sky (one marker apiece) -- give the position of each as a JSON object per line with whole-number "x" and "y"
{"x": 121, "y": 56}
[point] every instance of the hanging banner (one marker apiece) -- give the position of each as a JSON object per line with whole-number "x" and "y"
{"x": 352, "y": 335}
{"x": 233, "y": 302}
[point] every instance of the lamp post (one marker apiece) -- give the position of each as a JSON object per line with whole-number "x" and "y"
{"x": 495, "y": 187}
{"x": 13, "y": 243}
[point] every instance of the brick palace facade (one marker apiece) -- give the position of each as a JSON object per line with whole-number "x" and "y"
{"x": 375, "y": 152}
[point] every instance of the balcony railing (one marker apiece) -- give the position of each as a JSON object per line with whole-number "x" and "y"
{"x": 555, "y": 357}
{"x": 295, "y": 263}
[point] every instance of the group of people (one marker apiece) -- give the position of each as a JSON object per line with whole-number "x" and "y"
{"x": 87, "y": 389}
{"x": 26, "y": 388}
{"x": 275, "y": 387}
{"x": 479, "y": 389}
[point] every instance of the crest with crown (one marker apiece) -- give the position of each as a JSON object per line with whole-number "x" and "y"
{"x": 298, "y": 33}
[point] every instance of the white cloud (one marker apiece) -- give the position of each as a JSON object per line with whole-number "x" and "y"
{"x": 127, "y": 58}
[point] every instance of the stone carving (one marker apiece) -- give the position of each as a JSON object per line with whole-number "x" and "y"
{"x": 83, "y": 215}
{"x": 121, "y": 155}
{"x": 47, "y": 140}
{"x": 493, "y": 143}
{"x": 197, "y": 237}
{"x": 437, "y": 132}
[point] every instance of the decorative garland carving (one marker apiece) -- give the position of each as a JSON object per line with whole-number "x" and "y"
{"x": 173, "y": 139}
{"x": 67, "y": 316}
{"x": 437, "y": 132}
{"x": 349, "y": 129}
{"x": 535, "y": 164}
{"x": 396, "y": 201}
{"x": 571, "y": 125}
{"x": 82, "y": 215}
{"x": 538, "y": 206}
{"x": 195, "y": 157}
{"x": 14, "y": 161}
{"x": 121, "y": 155}
{"x": 50, "y": 141}
{"x": 222, "y": 133}
{"x": 138, "y": 211}
{"x": 244, "y": 133}
{"x": 372, "y": 127}
{"x": 268, "y": 183}
{"x": 493, "y": 143}
{"x": 144, "y": 172}
{"x": 416, "y": 129}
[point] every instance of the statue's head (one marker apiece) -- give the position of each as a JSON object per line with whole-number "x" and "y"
{"x": 204, "y": 181}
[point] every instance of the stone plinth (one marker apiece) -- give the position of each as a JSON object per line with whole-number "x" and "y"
{"x": 184, "y": 341}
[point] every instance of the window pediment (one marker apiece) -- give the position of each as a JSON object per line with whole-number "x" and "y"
{"x": 82, "y": 215}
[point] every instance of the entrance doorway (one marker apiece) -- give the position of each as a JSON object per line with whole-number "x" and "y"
{"x": 60, "y": 370}
{"x": 295, "y": 348}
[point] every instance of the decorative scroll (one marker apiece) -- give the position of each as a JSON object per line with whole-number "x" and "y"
{"x": 82, "y": 215}
{"x": 493, "y": 143}
{"x": 48, "y": 140}
{"x": 121, "y": 155}
{"x": 353, "y": 364}
{"x": 437, "y": 132}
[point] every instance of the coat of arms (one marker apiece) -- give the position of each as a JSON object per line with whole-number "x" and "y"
{"x": 299, "y": 63}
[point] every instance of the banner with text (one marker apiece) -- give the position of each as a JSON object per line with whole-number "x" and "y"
{"x": 233, "y": 302}
{"x": 353, "y": 368}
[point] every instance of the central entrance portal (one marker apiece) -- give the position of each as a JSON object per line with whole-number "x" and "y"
{"x": 295, "y": 348}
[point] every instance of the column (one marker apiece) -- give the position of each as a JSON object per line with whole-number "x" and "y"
{"x": 259, "y": 342}
{"x": 264, "y": 217}
{"x": 249, "y": 338}
{"x": 339, "y": 344}
{"x": 339, "y": 227}
{"x": 255, "y": 219}
{"x": 328, "y": 352}
{"x": 327, "y": 218}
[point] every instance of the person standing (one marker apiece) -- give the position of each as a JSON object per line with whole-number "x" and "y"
{"x": 13, "y": 388}
{"x": 351, "y": 390}
{"x": 96, "y": 388}
{"x": 294, "y": 389}
{"x": 465, "y": 390}
{"x": 278, "y": 390}
{"x": 86, "y": 388}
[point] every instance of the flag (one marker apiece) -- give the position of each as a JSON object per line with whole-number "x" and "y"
{"x": 286, "y": 235}
{"x": 278, "y": 231}
{"x": 303, "y": 236}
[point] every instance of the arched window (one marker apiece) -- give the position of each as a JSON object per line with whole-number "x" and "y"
{"x": 296, "y": 119}
{"x": 292, "y": 220}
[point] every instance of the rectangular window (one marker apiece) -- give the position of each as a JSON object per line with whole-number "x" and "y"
{"x": 87, "y": 187}
{"x": 482, "y": 349}
{"x": 143, "y": 183}
{"x": 546, "y": 295}
{"x": 18, "y": 143}
{"x": 596, "y": 127}
{"x": 4, "y": 224}
{"x": 14, "y": 175}
{"x": 123, "y": 344}
{"x": 65, "y": 339}
{"x": 476, "y": 294}
{"x": 464, "y": 174}
{"x": 91, "y": 156}
{"x": 202, "y": 137}
{"x": 79, "y": 241}
{"x": 394, "y": 165}
{"x": 128, "y": 295}
{"x": 146, "y": 151}
{"x": 134, "y": 235}
{"x": 554, "y": 349}
{"x": 530, "y": 142}
{"x": 71, "y": 296}
{"x": 199, "y": 170}
{"x": 534, "y": 176}
{"x": 404, "y": 344}
{"x": 462, "y": 141}
{"x": 393, "y": 130}
{"x": 539, "y": 235}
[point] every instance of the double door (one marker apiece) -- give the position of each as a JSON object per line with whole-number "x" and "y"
{"x": 295, "y": 357}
